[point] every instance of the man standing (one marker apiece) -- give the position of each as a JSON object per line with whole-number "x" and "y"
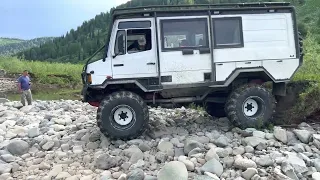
{"x": 24, "y": 88}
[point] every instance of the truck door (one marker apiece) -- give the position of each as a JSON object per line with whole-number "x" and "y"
{"x": 185, "y": 49}
{"x": 134, "y": 53}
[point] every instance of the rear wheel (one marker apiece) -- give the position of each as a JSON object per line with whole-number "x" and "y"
{"x": 122, "y": 115}
{"x": 250, "y": 105}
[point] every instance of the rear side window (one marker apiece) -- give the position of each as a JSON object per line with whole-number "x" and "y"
{"x": 184, "y": 33}
{"x": 227, "y": 32}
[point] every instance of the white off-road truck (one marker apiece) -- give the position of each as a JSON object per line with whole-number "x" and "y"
{"x": 220, "y": 53}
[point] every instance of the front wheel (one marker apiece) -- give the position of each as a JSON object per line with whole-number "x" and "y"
{"x": 250, "y": 105}
{"x": 122, "y": 115}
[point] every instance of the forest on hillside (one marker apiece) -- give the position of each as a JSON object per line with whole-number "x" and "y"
{"x": 5, "y": 41}
{"x": 78, "y": 44}
{"x": 13, "y": 46}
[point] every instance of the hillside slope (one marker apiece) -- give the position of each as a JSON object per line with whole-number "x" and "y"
{"x": 78, "y": 44}
{"x": 6, "y": 41}
{"x": 22, "y": 45}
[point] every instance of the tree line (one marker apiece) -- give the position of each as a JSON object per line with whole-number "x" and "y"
{"x": 16, "y": 45}
{"x": 78, "y": 44}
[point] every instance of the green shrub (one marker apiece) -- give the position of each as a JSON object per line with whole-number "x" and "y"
{"x": 306, "y": 85}
{"x": 44, "y": 72}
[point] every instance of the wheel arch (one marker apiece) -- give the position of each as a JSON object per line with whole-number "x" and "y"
{"x": 108, "y": 83}
{"x": 251, "y": 75}
{"x": 95, "y": 94}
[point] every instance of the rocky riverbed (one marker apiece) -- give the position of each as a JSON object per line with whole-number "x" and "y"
{"x": 60, "y": 140}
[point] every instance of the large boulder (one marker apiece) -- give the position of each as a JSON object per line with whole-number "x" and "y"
{"x": 173, "y": 170}
{"x": 18, "y": 147}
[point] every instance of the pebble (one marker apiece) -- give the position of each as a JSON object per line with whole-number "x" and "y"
{"x": 60, "y": 140}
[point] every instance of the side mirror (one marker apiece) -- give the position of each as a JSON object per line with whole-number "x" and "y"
{"x": 105, "y": 54}
{"x": 104, "y": 57}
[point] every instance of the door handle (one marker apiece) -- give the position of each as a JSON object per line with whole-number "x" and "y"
{"x": 151, "y": 63}
{"x": 118, "y": 65}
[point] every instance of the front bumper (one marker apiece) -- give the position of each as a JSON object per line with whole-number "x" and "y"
{"x": 84, "y": 87}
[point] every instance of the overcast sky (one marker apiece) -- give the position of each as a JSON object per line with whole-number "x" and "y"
{"x": 27, "y": 19}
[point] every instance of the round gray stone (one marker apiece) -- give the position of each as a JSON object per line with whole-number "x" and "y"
{"x": 173, "y": 170}
{"x": 18, "y": 147}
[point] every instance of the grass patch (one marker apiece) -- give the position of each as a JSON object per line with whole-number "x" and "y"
{"x": 196, "y": 107}
{"x": 62, "y": 74}
{"x": 305, "y": 86}
{"x": 311, "y": 65}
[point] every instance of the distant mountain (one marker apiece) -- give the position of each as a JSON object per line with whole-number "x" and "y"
{"x": 6, "y": 41}
{"x": 9, "y": 46}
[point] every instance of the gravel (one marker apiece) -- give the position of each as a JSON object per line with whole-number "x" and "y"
{"x": 60, "y": 140}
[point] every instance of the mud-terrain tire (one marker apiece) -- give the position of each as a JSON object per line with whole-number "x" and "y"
{"x": 241, "y": 106}
{"x": 122, "y": 115}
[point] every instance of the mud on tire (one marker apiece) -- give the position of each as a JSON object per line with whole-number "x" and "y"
{"x": 250, "y": 105}
{"x": 122, "y": 115}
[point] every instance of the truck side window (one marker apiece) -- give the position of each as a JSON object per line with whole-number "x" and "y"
{"x": 184, "y": 33}
{"x": 227, "y": 32}
{"x": 119, "y": 48}
{"x": 138, "y": 40}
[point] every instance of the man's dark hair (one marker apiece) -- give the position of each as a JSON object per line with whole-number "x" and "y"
{"x": 25, "y": 71}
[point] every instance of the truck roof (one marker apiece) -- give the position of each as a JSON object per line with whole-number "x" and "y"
{"x": 142, "y": 10}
